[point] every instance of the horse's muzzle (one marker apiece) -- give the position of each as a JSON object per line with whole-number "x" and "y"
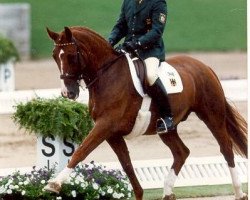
{"x": 70, "y": 95}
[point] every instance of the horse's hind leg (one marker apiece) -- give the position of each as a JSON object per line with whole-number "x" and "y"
{"x": 226, "y": 148}
{"x": 120, "y": 148}
{"x": 217, "y": 126}
{"x": 180, "y": 153}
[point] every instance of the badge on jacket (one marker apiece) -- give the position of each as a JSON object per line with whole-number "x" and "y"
{"x": 162, "y": 18}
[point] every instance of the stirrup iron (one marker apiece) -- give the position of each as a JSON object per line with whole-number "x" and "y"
{"x": 162, "y": 127}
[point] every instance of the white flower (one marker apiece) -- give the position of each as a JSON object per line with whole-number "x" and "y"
{"x": 11, "y": 187}
{"x": 73, "y": 174}
{"x": 23, "y": 192}
{"x": 80, "y": 179}
{"x": 58, "y": 198}
{"x": 10, "y": 181}
{"x": 118, "y": 195}
{"x": 103, "y": 193}
{"x": 9, "y": 191}
{"x": 95, "y": 186}
{"x": 83, "y": 185}
{"x": 26, "y": 182}
{"x": 16, "y": 186}
{"x": 110, "y": 190}
{"x": 90, "y": 166}
{"x": 73, "y": 193}
{"x": 20, "y": 183}
{"x": 2, "y": 189}
{"x": 43, "y": 181}
{"x": 115, "y": 195}
{"x": 130, "y": 187}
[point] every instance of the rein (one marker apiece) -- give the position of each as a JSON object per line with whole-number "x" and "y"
{"x": 103, "y": 69}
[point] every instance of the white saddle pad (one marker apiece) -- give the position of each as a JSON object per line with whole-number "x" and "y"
{"x": 168, "y": 75}
{"x": 170, "y": 78}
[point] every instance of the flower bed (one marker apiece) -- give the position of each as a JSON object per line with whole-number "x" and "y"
{"x": 87, "y": 182}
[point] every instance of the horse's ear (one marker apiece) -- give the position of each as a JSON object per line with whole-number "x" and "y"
{"x": 54, "y": 36}
{"x": 68, "y": 33}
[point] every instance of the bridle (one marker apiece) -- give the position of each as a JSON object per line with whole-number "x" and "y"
{"x": 76, "y": 77}
{"x": 82, "y": 75}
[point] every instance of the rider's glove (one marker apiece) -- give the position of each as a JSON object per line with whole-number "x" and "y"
{"x": 132, "y": 46}
{"x": 111, "y": 42}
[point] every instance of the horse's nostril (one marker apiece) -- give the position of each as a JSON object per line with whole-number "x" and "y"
{"x": 63, "y": 94}
{"x": 71, "y": 95}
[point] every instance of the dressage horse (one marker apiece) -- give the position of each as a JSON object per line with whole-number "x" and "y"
{"x": 80, "y": 53}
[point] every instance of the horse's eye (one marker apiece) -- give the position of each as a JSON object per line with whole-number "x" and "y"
{"x": 72, "y": 59}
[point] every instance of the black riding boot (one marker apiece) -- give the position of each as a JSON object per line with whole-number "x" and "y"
{"x": 159, "y": 95}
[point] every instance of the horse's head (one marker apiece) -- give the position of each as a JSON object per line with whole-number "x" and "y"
{"x": 69, "y": 60}
{"x": 79, "y": 53}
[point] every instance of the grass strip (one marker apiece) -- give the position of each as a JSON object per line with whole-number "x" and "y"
{"x": 194, "y": 191}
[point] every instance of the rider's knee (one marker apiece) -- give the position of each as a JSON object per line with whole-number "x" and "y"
{"x": 152, "y": 65}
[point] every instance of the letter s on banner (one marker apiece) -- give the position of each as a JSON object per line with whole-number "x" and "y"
{"x": 49, "y": 145}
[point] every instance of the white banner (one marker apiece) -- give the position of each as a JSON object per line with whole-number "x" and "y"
{"x": 7, "y": 77}
{"x": 54, "y": 151}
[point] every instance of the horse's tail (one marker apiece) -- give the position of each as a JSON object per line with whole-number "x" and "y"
{"x": 237, "y": 129}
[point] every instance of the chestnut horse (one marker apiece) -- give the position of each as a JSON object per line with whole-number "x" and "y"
{"x": 80, "y": 53}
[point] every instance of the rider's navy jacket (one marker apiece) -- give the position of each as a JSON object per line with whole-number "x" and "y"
{"x": 142, "y": 20}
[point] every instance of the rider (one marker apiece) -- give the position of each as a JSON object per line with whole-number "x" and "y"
{"x": 142, "y": 23}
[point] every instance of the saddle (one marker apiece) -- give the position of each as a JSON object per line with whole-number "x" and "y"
{"x": 141, "y": 72}
{"x": 168, "y": 75}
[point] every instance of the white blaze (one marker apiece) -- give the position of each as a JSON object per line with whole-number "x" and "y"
{"x": 63, "y": 87}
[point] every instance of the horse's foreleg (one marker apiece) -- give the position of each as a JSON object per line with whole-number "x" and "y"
{"x": 98, "y": 134}
{"x": 120, "y": 148}
{"x": 180, "y": 153}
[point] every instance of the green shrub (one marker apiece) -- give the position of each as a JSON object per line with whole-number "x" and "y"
{"x": 7, "y": 50}
{"x": 58, "y": 117}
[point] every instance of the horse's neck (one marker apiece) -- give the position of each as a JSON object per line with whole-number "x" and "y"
{"x": 114, "y": 86}
{"x": 110, "y": 76}
{"x": 97, "y": 51}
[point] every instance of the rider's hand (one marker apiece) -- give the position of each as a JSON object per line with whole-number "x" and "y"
{"x": 111, "y": 42}
{"x": 119, "y": 49}
{"x": 131, "y": 46}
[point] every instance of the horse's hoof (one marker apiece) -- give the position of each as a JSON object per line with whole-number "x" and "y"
{"x": 169, "y": 197}
{"x": 245, "y": 197}
{"x": 53, "y": 187}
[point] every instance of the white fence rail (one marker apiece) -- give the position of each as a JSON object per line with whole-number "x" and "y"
{"x": 196, "y": 171}
{"x": 235, "y": 90}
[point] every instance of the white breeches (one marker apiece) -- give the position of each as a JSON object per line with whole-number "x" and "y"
{"x": 152, "y": 65}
